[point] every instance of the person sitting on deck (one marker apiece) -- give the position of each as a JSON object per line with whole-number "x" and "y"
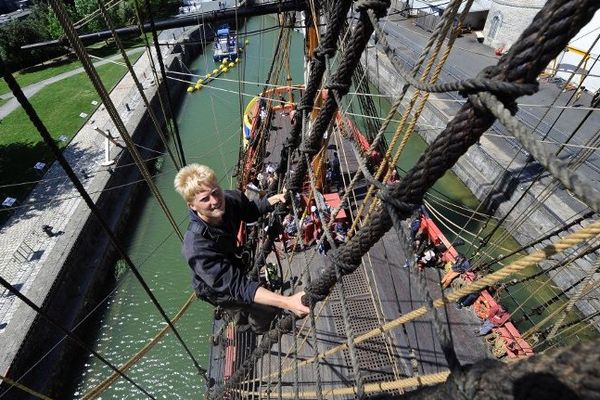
{"x": 393, "y": 177}
{"x": 340, "y": 230}
{"x": 428, "y": 259}
{"x": 210, "y": 248}
{"x": 497, "y": 316}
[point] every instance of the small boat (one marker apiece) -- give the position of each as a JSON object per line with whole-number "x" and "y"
{"x": 226, "y": 46}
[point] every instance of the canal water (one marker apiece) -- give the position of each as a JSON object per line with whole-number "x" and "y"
{"x": 209, "y": 122}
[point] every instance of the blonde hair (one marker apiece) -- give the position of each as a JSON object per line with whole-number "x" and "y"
{"x": 190, "y": 178}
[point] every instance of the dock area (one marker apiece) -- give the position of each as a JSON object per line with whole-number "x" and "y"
{"x": 498, "y": 157}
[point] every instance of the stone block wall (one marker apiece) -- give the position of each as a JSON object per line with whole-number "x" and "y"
{"x": 479, "y": 168}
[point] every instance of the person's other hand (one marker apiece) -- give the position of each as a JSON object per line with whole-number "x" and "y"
{"x": 295, "y": 305}
{"x": 277, "y": 198}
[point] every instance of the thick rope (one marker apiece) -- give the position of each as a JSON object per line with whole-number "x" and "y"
{"x": 442, "y": 30}
{"x": 557, "y": 22}
{"x": 441, "y": 26}
{"x": 340, "y": 82}
{"x": 569, "y": 373}
{"x": 328, "y": 47}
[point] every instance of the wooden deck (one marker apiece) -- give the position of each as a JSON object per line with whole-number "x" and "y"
{"x": 379, "y": 291}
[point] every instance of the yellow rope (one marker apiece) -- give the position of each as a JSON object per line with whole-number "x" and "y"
{"x": 567, "y": 242}
{"x": 24, "y": 388}
{"x": 405, "y": 115}
{"x": 585, "y": 289}
{"x": 96, "y": 391}
{"x": 424, "y": 96}
{"x": 423, "y": 380}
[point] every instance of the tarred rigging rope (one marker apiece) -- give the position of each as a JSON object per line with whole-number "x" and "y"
{"x": 542, "y": 41}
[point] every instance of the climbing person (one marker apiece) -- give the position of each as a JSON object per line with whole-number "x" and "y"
{"x": 210, "y": 248}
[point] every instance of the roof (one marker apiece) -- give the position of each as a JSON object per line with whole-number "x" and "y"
{"x": 14, "y": 15}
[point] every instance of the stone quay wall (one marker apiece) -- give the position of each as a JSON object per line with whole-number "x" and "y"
{"x": 77, "y": 272}
{"x": 480, "y": 167}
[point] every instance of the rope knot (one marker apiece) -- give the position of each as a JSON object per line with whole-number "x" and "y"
{"x": 398, "y": 209}
{"x": 379, "y": 7}
{"x": 341, "y": 87}
{"x": 320, "y": 52}
{"x": 507, "y": 92}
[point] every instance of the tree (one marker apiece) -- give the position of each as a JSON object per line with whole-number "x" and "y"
{"x": 53, "y": 26}
{"x": 17, "y": 33}
{"x": 85, "y": 8}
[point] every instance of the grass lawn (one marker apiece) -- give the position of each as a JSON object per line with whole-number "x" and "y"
{"x": 58, "y": 106}
{"x": 68, "y": 63}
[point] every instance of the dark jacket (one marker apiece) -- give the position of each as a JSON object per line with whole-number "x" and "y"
{"x": 217, "y": 273}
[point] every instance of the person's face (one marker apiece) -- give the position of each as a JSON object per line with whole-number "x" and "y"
{"x": 209, "y": 203}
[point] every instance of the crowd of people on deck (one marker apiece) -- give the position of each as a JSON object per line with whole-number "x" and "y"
{"x": 458, "y": 272}
{"x": 260, "y": 182}
{"x": 312, "y": 231}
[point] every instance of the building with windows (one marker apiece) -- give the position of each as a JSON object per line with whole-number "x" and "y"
{"x": 506, "y": 20}
{"x": 581, "y": 58}
{"x": 429, "y": 12}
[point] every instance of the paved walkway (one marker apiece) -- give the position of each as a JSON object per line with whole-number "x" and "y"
{"x": 32, "y": 89}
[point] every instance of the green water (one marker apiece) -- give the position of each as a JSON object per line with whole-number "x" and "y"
{"x": 210, "y": 126}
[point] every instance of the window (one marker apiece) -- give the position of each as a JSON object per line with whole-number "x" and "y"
{"x": 496, "y": 22}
